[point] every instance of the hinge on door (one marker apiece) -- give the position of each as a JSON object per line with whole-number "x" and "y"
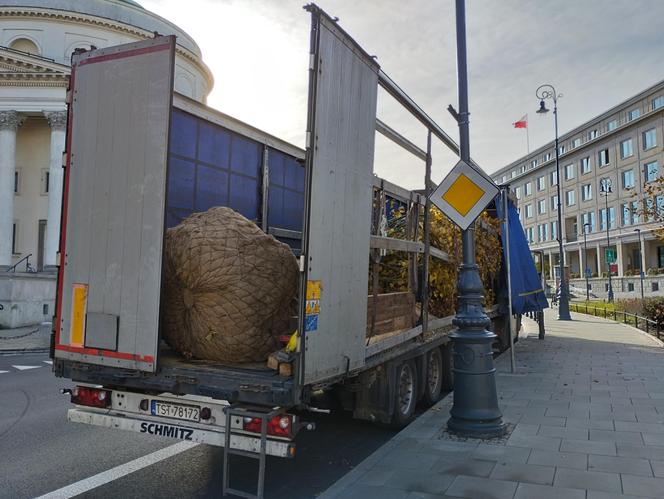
{"x": 301, "y": 262}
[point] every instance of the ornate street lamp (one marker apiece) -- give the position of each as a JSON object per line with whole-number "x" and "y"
{"x": 605, "y": 190}
{"x": 638, "y": 231}
{"x": 544, "y": 92}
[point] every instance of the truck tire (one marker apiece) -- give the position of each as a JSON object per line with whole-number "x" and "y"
{"x": 433, "y": 383}
{"x": 405, "y": 394}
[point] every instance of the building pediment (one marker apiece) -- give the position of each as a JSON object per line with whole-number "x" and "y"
{"x": 20, "y": 69}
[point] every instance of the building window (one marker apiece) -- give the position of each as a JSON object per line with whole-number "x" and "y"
{"x": 541, "y": 236}
{"x": 561, "y": 150}
{"x": 628, "y": 179}
{"x": 541, "y": 183}
{"x": 630, "y": 286}
{"x": 603, "y": 157}
{"x": 45, "y": 180}
{"x": 633, "y": 114}
{"x": 529, "y": 211}
{"x": 554, "y": 230}
{"x": 569, "y": 197}
{"x": 533, "y": 163}
{"x": 527, "y": 188}
{"x": 612, "y": 125}
{"x": 592, "y": 134}
{"x": 530, "y": 234}
{"x": 586, "y": 192}
{"x": 651, "y": 171}
{"x": 612, "y": 217}
{"x": 589, "y": 218}
{"x": 602, "y": 219}
{"x": 569, "y": 172}
{"x": 554, "y": 177}
{"x": 635, "y": 212}
{"x": 513, "y": 174}
{"x": 626, "y": 149}
{"x": 654, "y": 286}
{"x": 657, "y": 102}
{"x": 25, "y": 45}
{"x": 576, "y": 142}
{"x": 554, "y": 202}
{"x": 517, "y": 192}
{"x": 650, "y": 209}
{"x": 541, "y": 207}
{"x": 585, "y": 165}
{"x": 15, "y": 238}
{"x": 523, "y": 169}
{"x": 546, "y": 157}
{"x": 649, "y": 139}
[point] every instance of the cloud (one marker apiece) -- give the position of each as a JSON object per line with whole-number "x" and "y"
{"x": 596, "y": 52}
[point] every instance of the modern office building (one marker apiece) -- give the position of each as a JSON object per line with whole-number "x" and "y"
{"x": 621, "y": 148}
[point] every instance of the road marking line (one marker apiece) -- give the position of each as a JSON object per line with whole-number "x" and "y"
{"x": 3, "y": 372}
{"x": 24, "y": 368}
{"x": 49, "y": 362}
{"x": 120, "y": 471}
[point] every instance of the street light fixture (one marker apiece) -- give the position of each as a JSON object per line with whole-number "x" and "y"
{"x": 585, "y": 258}
{"x": 544, "y": 92}
{"x": 638, "y": 231}
{"x": 605, "y": 189}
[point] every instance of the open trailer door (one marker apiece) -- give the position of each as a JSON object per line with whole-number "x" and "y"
{"x": 112, "y": 232}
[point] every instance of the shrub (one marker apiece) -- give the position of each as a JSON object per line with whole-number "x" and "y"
{"x": 653, "y": 308}
{"x": 651, "y": 271}
{"x": 630, "y": 305}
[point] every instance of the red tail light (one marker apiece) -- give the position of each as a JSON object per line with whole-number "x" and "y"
{"x": 280, "y": 426}
{"x": 92, "y": 397}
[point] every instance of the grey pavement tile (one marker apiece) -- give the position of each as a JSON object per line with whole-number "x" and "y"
{"x": 559, "y": 459}
{"x": 642, "y": 486}
{"x": 501, "y": 453}
{"x": 529, "y": 473}
{"x": 546, "y": 420}
{"x": 534, "y": 442}
{"x": 564, "y": 432}
{"x": 615, "y": 436}
{"x": 481, "y": 488}
{"x": 588, "y": 447}
{"x": 531, "y": 491}
{"x": 658, "y": 468}
{"x": 654, "y": 417}
{"x": 613, "y": 464}
{"x": 653, "y": 438}
{"x": 470, "y": 467}
{"x": 376, "y": 476}
{"x": 589, "y": 423}
{"x": 642, "y": 427}
{"x": 525, "y": 429}
{"x": 409, "y": 459}
{"x": 596, "y": 494}
{"x": 359, "y": 491}
{"x": 646, "y": 452}
{"x": 424, "y": 495}
{"x": 596, "y": 480}
{"x": 420, "y": 481}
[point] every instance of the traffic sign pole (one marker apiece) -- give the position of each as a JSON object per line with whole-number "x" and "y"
{"x": 475, "y": 412}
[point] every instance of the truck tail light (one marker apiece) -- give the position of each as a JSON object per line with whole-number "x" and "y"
{"x": 279, "y": 426}
{"x": 92, "y": 397}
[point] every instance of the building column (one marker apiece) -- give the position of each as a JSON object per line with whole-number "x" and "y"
{"x": 582, "y": 262}
{"x": 644, "y": 259}
{"x": 600, "y": 269}
{"x": 9, "y": 123}
{"x": 620, "y": 262}
{"x": 58, "y": 122}
{"x": 552, "y": 274}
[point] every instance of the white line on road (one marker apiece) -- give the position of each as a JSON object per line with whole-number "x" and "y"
{"x": 107, "y": 476}
{"x": 3, "y": 372}
{"x": 24, "y": 368}
{"x": 49, "y": 362}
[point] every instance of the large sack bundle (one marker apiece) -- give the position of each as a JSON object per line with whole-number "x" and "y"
{"x": 228, "y": 288}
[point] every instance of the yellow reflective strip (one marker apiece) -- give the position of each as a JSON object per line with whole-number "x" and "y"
{"x": 79, "y": 303}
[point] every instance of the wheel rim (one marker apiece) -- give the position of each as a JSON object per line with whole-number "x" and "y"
{"x": 406, "y": 389}
{"x": 433, "y": 374}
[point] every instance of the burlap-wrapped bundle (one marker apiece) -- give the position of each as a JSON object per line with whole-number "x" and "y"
{"x": 228, "y": 288}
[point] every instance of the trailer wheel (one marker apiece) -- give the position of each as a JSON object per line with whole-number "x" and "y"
{"x": 405, "y": 394}
{"x": 434, "y": 377}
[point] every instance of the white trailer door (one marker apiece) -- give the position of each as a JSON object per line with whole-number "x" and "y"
{"x": 113, "y": 211}
{"x": 340, "y": 152}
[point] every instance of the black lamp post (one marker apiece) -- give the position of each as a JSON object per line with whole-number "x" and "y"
{"x": 638, "y": 231}
{"x": 585, "y": 258}
{"x": 544, "y": 92}
{"x": 605, "y": 189}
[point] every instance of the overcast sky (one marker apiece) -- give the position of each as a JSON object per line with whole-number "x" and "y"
{"x": 597, "y": 53}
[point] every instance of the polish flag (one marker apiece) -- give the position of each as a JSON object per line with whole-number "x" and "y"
{"x": 522, "y": 123}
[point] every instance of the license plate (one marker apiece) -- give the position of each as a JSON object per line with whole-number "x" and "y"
{"x": 176, "y": 411}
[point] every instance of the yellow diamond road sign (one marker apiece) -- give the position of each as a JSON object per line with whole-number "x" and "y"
{"x": 463, "y": 194}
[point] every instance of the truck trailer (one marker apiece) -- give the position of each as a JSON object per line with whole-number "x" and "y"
{"x": 140, "y": 158}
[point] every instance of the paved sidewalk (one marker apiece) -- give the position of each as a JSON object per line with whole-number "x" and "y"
{"x": 586, "y": 409}
{"x": 29, "y": 338}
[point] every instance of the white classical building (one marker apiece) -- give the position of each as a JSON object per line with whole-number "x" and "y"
{"x": 37, "y": 39}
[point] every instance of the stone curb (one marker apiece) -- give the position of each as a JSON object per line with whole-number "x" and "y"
{"x": 18, "y": 351}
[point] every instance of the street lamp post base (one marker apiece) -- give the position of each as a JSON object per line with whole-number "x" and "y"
{"x": 476, "y": 429}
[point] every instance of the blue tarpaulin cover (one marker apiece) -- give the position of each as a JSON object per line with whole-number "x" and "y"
{"x": 527, "y": 292}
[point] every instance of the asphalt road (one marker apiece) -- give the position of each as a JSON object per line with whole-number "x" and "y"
{"x": 41, "y": 452}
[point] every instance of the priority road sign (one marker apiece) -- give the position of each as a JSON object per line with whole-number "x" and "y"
{"x": 463, "y": 194}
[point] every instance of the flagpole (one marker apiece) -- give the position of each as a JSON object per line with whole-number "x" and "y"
{"x": 527, "y": 137}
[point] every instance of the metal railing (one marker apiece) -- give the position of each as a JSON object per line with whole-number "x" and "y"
{"x": 28, "y": 267}
{"x": 650, "y": 326}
